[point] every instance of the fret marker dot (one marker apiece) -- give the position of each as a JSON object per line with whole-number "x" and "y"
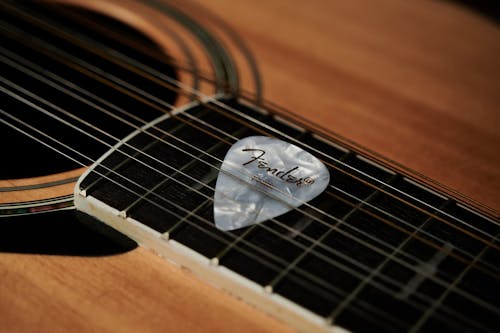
{"x": 262, "y": 178}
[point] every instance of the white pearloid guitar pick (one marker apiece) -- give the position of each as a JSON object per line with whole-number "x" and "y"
{"x": 262, "y": 178}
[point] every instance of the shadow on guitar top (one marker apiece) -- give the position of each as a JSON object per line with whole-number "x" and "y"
{"x": 65, "y": 232}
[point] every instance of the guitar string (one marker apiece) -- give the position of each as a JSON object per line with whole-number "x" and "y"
{"x": 301, "y": 121}
{"x": 417, "y": 326}
{"x": 368, "y": 235}
{"x": 383, "y": 184}
{"x": 356, "y": 198}
{"x": 82, "y": 164}
{"x": 123, "y": 111}
{"x": 311, "y": 287}
{"x": 250, "y": 59}
{"x": 200, "y": 94}
{"x": 340, "y": 169}
{"x": 269, "y": 264}
{"x": 204, "y": 152}
{"x": 137, "y": 45}
{"x": 374, "y": 207}
{"x": 158, "y": 56}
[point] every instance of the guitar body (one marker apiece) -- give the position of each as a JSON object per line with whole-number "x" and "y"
{"x": 415, "y": 84}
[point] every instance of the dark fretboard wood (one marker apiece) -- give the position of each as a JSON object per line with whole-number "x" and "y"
{"x": 376, "y": 249}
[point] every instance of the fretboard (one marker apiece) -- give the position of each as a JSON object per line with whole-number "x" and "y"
{"x": 376, "y": 251}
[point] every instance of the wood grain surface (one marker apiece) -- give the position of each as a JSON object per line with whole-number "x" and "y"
{"x": 416, "y": 81}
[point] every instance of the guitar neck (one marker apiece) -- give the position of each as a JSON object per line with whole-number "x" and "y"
{"x": 90, "y": 87}
{"x": 375, "y": 249}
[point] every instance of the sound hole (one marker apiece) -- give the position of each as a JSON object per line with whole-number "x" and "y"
{"x": 57, "y": 59}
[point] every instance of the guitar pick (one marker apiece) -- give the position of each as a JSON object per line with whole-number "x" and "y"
{"x": 262, "y": 178}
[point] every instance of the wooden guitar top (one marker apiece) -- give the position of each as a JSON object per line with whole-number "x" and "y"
{"x": 417, "y": 82}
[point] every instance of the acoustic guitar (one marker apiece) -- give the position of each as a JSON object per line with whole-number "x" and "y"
{"x": 116, "y": 120}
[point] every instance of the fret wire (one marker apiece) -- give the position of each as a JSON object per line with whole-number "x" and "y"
{"x": 421, "y": 321}
{"x": 208, "y": 199}
{"x": 119, "y": 165}
{"x": 245, "y": 95}
{"x": 415, "y": 206}
{"x": 406, "y": 231}
{"x": 175, "y": 172}
{"x": 299, "y": 258}
{"x": 97, "y": 107}
{"x": 326, "y": 258}
{"x": 250, "y": 244}
{"x": 348, "y": 235}
{"x": 369, "y": 184}
{"x": 420, "y": 238}
{"x": 402, "y": 229}
{"x": 368, "y": 306}
{"x": 336, "y": 312}
{"x": 405, "y": 223}
{"x": 229, "y": 108}
{"x": 300, "y": 271}
{"x": 313, "y": 244}
{"x": 336, "y": 264}
{"x": 184, "y": 219}
{"x": 234, "y": 243}
{"x": 178, "y": 223}
{"x": 402, "y": 221}
{"x": 212, "y": 199}
{"x": 127, "y": 189}
{"x": 176, "y": 138}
